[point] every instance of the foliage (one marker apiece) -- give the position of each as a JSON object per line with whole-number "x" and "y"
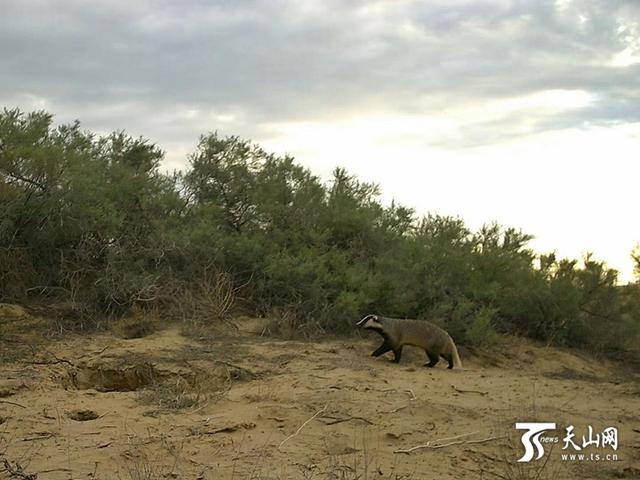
{"x": 95, "y": 220}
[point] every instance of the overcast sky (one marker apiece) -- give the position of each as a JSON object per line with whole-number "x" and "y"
{"x": 523, "y": 112}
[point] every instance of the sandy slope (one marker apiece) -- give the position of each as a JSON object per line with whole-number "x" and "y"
{"x": 269, "y": 409}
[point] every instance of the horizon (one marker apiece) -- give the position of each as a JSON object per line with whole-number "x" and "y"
{"x": 518, "y": 113}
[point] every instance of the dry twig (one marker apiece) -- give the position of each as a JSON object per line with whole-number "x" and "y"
{"x": 336, "y": 420}
{"x": 437, "y": 443}
{"x": 468, "y": 391}
{"x": 12, "y": 403}
{"x": 397, "y": 409}
{"x": 50, "y": 362}
{"x": 303, "y": 425}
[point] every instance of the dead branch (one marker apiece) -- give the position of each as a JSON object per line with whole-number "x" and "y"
{"x": 468, "y": 391}
{"x": 98, "y": 352}
{"x": 436, "y": 445}
{"x": 50, "y": 362}
{"x": 407, "y": 391}
{"x": 237, "y": 367}
{"x": 397, "y": 409}
{"x": 335, "y": 420}
{"x": 12, "y": 403}
{"x": 44, "y": 436}
{"x": 428, "y": 444}
{"x": 323, "y": 409}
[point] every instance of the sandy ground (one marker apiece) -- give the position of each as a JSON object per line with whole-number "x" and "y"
{"x": 240, "y": 405}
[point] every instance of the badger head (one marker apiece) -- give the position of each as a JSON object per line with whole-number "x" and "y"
{"x": 370, "y": 322}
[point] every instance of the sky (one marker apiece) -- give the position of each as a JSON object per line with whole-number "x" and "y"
{"x": 520, "y": 112}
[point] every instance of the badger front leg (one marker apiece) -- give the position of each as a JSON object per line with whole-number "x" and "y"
{"x": 384, "y": 348}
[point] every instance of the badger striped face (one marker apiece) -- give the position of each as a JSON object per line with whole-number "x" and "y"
{"x": 370, "y": 322}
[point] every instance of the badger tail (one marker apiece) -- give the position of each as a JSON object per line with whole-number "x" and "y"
{"x": 457, "y": 363}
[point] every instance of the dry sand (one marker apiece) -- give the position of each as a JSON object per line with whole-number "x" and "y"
{"x": 240, "y": 405}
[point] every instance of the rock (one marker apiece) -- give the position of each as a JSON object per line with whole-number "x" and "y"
{"x": 82, "y": 415}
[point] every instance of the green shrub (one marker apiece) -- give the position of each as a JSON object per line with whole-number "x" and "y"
{"x": 95, "y": 220}
{"x": 481, "y": 332}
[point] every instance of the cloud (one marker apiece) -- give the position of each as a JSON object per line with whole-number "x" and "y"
{"x": 286, "y": 61}
{"x": 378, "y": 86}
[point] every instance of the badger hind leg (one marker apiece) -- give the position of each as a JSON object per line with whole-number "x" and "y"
{"x": 449, "y": 358}
{"x": 398, "y": 353}
{"x": 384, "y": 348}
{"x": 434, "y": 359}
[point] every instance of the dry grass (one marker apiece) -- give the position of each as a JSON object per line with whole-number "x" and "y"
{"x": 16, "y": 468}
{"x": 287, "y": 323}
{"x": 171, "y": 395}
{"x": 359, "y": 461}
{"x": 208, "y": 300}
{"x": 139, "y": 464}
{"x": 510, "y": 469}
{"x": 263, "y": 393}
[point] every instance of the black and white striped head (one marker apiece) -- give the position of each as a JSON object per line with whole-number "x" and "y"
{"x": 371, "y": 322}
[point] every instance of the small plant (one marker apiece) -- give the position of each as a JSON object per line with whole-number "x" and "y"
{"x": 171, "y": 395}
{"x": 140, "y": 465}
{"x": 510, "y": 469}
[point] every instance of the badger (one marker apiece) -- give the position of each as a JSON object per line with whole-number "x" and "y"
{"x": 399, "y": 332}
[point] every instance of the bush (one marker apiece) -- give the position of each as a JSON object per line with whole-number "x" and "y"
{"x": 481, "y": 332}
{"x": 95, "y": 221}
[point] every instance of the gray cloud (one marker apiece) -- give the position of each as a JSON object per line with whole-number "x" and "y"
{"x": 173, "y": 70}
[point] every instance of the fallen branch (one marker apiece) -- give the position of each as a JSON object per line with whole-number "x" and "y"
{"x": 237, "y": 367}
{"x": 44, "y": 436}
{"x": 429, "y": 445}
{"x": 303, "y": 425}
{"x": 334, "y": 420}
{"x": 468, "y": 391}
{"x": 442, "y": 445}
{"x": 410, "y": 392}
{"x": 98, "y": 352}
{"x": 397, "y": 409}
{"x": 50, "y": 362}
{"x": 12, "y": 403}
{"x": 395, "y": 390}
{"x": 51, "y": 470}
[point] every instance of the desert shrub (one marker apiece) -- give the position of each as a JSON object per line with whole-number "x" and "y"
{"x": 481, "y": 332}
{"x": 97, "y": 222}
{"x": 16, "y": 272}
{"x": 206, "y": 299}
